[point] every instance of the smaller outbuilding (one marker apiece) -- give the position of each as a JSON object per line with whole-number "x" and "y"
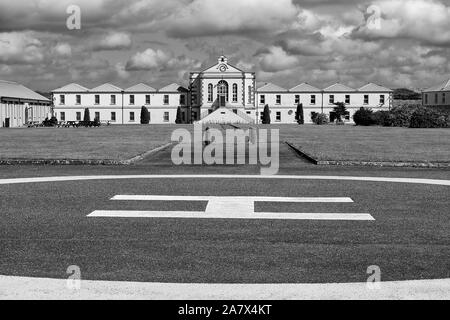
{"x": 20, "y": 105}
{"x": 437, "y": 96}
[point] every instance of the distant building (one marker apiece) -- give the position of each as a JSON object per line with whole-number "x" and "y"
{"x": 437, "y": 96}
{"x": 20, "y": 105}
{"x": 220, "y": 93}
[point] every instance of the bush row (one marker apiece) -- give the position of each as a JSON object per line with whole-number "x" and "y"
{"x": 404, "y": 116}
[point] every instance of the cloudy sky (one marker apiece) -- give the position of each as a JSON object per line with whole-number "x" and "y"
{"x": 397, "y": 43}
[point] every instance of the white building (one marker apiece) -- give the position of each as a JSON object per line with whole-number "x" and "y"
{"x": 437, "y": 96}
{"x": 20, "y": 105}
{"x": 220, "y": 93}
{"x": 119, "y": 106}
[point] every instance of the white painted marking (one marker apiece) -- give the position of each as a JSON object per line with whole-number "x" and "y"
{"x": 229, "y": 198}
{"x": 255, "y": 177}
{"x": 227, "y": 215}
{"x": 56, "y": 289}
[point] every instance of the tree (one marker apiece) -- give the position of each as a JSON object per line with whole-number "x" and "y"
{"x": 340, "y": 110}
{"x": 145, "y": 115}
{"x": 266, "y": 115}
{"x": 179, "y": 118}
{"x": 87, "y": 117}
{"x": 300, "y": 117}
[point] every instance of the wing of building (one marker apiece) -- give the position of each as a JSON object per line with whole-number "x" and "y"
{"x": 221, "y": 93}
{"x": 437, "y": 96}
{"x": 20, "y": 105}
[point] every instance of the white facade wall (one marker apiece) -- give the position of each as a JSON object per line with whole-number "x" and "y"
{"x": 123, "y": 108}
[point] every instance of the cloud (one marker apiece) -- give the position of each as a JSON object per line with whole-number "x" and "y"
{"x": 147, "y": 60}
{"x": 276, "y": 59}
{"x": 20, "y": 47}
{"x": 114, "y": 41}
{"x": 427, "y": 21}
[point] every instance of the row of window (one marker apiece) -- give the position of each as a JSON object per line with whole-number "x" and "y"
{"x": 62, "y": 116}
{"x": 222, "y": 90}
{"x": 436, "y": 98}
{"x": 262, "y": 99}
{"x": 62, "y": 99}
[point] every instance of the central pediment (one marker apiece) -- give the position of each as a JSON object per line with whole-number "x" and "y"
{"x": 222, "y": 67}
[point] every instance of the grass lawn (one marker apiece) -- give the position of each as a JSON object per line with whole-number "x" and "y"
{"x": 369, "y": 143}
{"x": 112, "y": 142}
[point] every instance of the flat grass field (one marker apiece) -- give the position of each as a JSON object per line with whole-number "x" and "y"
{"x": 351, "y": 142}
{"x": 328, "y": 142}
{"x": 109, "y": 142}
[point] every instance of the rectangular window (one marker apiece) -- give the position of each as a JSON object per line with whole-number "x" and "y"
{"x": 182, "y": 99}
{"x": 331, "y": 100}
{"x": 366, "y": 99}
{"x": 97, "y": 116}
{"x": 262, "y": 99}
{"x": 166, "y": 99}
{"x": 313, "y": 99}
{"x": 97, "y": 99}
{"x": 63, "y": 116}
{"x": 166, "y": 116}
{"x": 347, "y": 99}
{"x": 147, "y": 99}
{"x": 78, "y": 99}
{"x": 278, "y": 99}
{"x": 113, "y": 116}
{"x": 132, "y": 99}
{"x": 113, "y": 99}
{"x": 278, "y": 116}
{"x": 78, "y": 116}
{"x": 249, "y": 112}
{"x": 297, "y": 99}
{"x": 62, "y": 99}
{"x": 382, "y": 99}
{"x": 443, "y": 98}
{"x": 131, "y": 116}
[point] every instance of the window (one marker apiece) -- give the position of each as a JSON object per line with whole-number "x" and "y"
{"x": 297, "y": 99}
{"x": 250, "y": 92}
{"x": 97, "y": 99}
{"x": 78, "y": 99}
{"x": 210, "y": 93}
{"x": 443, "y": 98}
{"x": 235, "y": 92}
{"x": 166, "y": 99}
{"x": 278, "y": 99}
{"x": 132, "y": 99}
{"x": 63, "y": 116}
{"x": 97, "y": 116}
{"x": 147, "y": 99}
{"x": 113, "y": 116}
{"x": 262, "y": 99}
{"x": 222, "y": 92}
{"x": 426, "y": 99}
{"x": 347, "y": 99}
{"x": 113, "y": 99}
{"x": 313, "y": 99}
{"x": 366, "y": 99}
{"x": 436, "y": 98}
{"x": 331, "y": 99}
{"x": 382, "y": 99}
{"x": 62, "y": 99}
{"x": 182, "y": 99}
{"x": 166, "y": 116}
{"x": 347, "y": 116}
{"x": 248, "y": 112}
{"x": 278, "y": 116}
{"x": 78, "y": 116}
{"x": 131, "y": 116}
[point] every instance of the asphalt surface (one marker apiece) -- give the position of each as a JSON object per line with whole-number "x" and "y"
{"x": 44, "y": 226}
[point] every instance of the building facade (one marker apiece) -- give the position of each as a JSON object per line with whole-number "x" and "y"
{"x": 437, "y": 96}
{"x": 20, "y": 105}
{"x": 211, "y": 95}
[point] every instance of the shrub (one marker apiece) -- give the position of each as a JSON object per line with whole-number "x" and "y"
{"x": 179, "y": 118}
{"x": 145, "y": 115}
{"x": 299, "y": 116}
{"x": 320, "y": 119}
{"x": 340, "y": 110}
{"x": 266, "y": 115}
{"x": 427, "y": 118}
{"x": 383, "y": 118}
{"x": 364, "y": 117}
{"x": 401, "y": 116}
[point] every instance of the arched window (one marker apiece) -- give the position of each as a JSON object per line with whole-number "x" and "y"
{"x": 210, "y": 92}
{"x": 222, "y": 90}
{"x": 235, "y": 92}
